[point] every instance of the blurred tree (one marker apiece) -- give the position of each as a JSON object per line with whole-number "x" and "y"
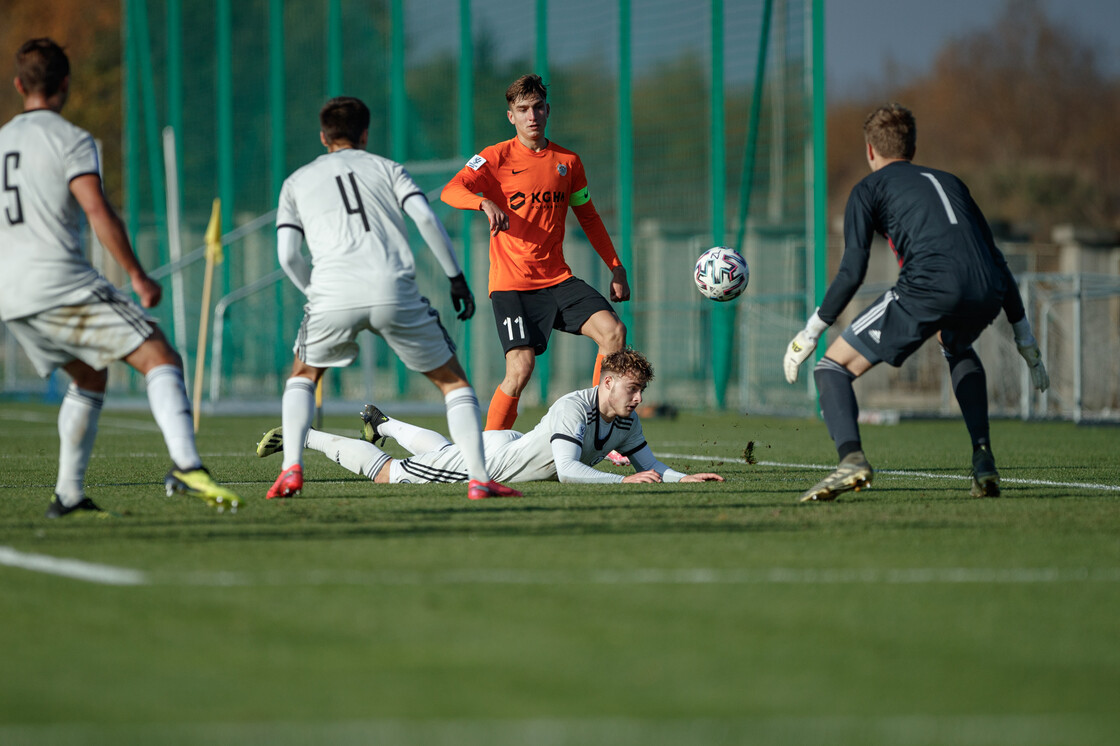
{"x": 1022, "y": 111}
{"x": 91, "y": 34}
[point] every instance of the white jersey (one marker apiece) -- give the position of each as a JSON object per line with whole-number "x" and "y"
{"x": 512, "y": 457}
{"x": 40, "y": 220}
{"x": 348, "y": 205}
{"x": 573, "y": 418}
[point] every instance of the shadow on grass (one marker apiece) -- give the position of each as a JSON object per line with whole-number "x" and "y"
{"x": 352, "y": 507}
{"x": 294, "y": 522}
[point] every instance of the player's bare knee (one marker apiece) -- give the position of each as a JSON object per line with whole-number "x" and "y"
{"x": 519, "y": 369}
{"x": 88, "y": 379}
{"x": 522, "y": 366}
{"x": 827, "y": 365}
{"x": 449, "y": 376}
{"x": 447, "y": 386}
{"x": 607, "y": 330}
{"x": 301, "y": 369}
{"x": 172, "y": 357}
{"x": 615, "y": 338}
{"x": 152, "y": 353}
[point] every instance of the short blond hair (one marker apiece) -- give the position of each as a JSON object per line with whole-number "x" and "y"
{"x": 892, "y": 131}
{"x": 628, "y": 362}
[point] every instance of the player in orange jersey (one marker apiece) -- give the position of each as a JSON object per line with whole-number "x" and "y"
{"x": 526, "y": 185}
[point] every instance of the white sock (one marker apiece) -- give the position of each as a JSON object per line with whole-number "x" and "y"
{"x": 415, "y": 440}
{"x": 167, "y": 396}
{"x": 465, "y": 425}
{"x": 77, "y": 429}
{"x": 353, "y": 454}
{"x": 297, "y": 409}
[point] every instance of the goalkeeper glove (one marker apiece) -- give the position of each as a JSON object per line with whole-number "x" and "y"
{"x": 802, "y": 346}
{"x": 1028, "y": 348}
{"x": 461, "y": 297}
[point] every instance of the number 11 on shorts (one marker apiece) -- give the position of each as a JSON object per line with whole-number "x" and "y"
{"x": 510, "y": 322}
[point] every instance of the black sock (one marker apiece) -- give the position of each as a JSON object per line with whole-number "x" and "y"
{"x": 838, "y": 405}
{"x": 970, "y": 384}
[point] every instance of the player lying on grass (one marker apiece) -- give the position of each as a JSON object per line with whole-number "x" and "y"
{"x": 577, "y": 432}
{"x": 349, "y": 206}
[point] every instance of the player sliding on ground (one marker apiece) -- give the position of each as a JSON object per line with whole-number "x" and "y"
{"x": 576, "y": 433}
{"x": 953, "y": 282}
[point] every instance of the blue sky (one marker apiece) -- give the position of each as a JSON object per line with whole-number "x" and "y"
{"x": 860, "y": 35}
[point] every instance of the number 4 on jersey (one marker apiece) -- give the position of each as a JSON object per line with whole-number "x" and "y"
{"x": 358, "y": 208}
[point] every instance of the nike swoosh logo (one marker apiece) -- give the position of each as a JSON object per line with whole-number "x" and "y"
{"x": 515, "y": 171}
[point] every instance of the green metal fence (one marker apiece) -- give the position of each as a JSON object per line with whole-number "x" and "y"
{"x": 699, "y": 124}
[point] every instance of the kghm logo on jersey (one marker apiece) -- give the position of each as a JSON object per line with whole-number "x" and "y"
{"x": 476, "y": 163}
{"x": 561, "y": 169}
{"x": 545, "y": 199}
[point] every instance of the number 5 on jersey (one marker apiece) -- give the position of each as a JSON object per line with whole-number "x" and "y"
{"x": 14, "y": 213}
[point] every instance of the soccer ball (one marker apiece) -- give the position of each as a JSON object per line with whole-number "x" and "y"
{"x": 721, "y": 273}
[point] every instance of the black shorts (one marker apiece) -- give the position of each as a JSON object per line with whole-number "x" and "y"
{"x": 526, "y": 318}
{"x": 889, "y": 330}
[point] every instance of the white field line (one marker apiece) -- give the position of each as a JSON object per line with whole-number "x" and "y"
{"x": 109, "y": 575}
{"x": 652, "y": 576}
{"x": 908, "y": 473}
{"x": 128, "y": 454}
{"x": 103, "y": 423}
{"x": 71, "y": 568}
{"x": 157, "y": 479}
{"x": 683, "y": 456}
{"x": 109, "y": 424}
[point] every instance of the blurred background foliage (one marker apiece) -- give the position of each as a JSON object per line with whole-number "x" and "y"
{"x": 1022, "y": 110}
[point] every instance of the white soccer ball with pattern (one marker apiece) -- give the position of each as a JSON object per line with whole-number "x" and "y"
{"x": 721, "y": 273}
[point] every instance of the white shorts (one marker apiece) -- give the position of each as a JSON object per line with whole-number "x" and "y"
{"x": 446, "y": 464}
{"x": 106, "y": 328}
{"x": 329, "y": 339}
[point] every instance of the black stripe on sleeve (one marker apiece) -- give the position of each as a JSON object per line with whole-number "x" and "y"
{"x": 293, "y": 226}
{"x": 562, "y": 436}
{"x": 413, "y": 194}
{"x": 634, "y": 450}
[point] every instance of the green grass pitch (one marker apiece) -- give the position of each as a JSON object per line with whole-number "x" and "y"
{"x": 908, "y": 613}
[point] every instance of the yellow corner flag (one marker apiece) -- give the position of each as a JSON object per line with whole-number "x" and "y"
{"x": 213, "y": 256}
{"x": 214, "y": 234}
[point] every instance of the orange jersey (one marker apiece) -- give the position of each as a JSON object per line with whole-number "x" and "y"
{"x": 535, "y": 189}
